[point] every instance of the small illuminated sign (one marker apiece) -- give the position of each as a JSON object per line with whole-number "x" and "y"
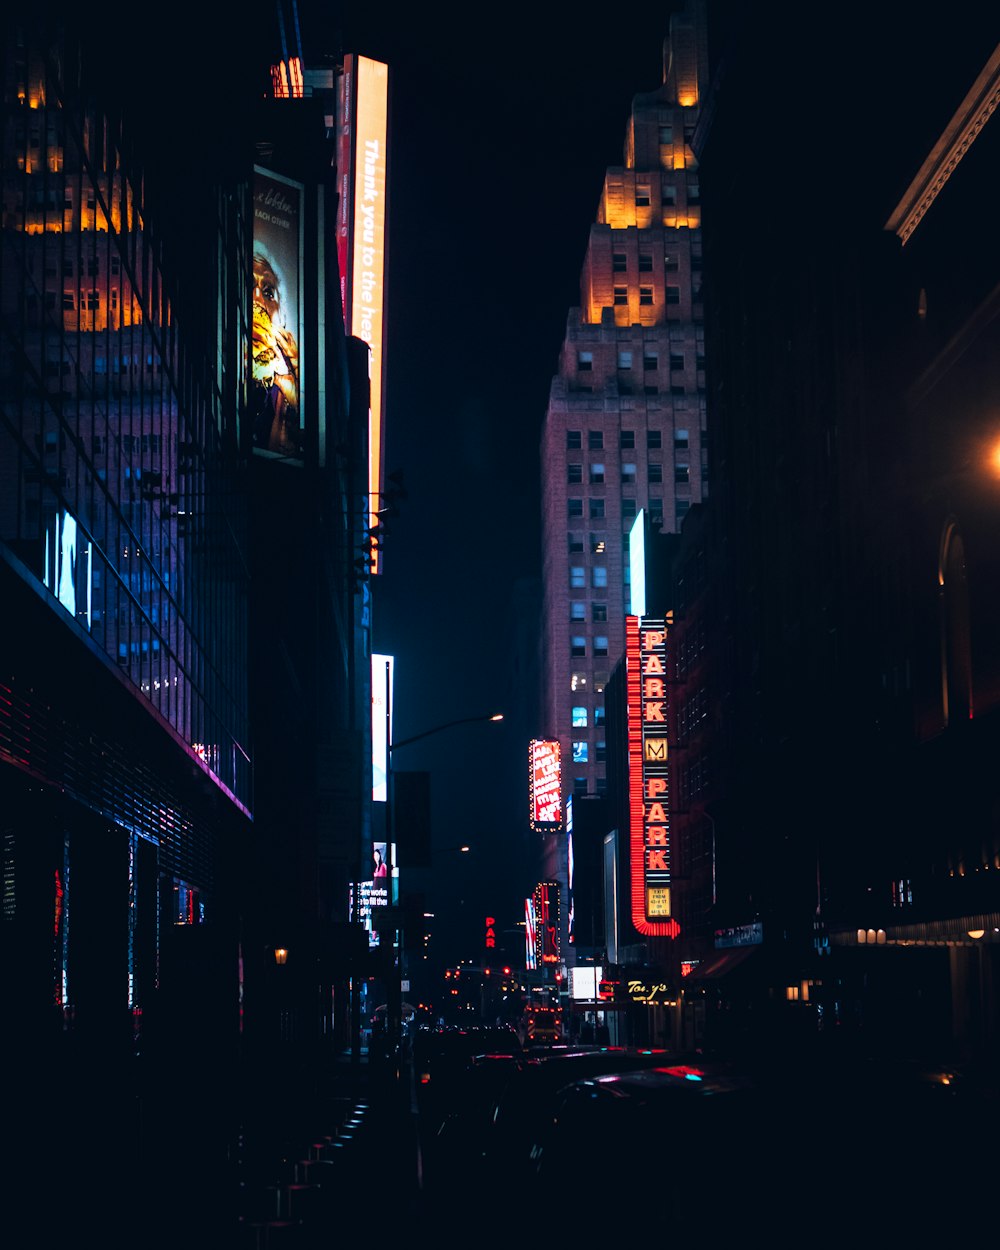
{"x": 530, "y": 936}
{"x": 547, "y": 922}
{"x": 648, "y": 762}
{"x": 545, "y": 785}
{"x": 646, "y": 991}
{"x": 67, "y": 570}
{"x": 491, "y": 932}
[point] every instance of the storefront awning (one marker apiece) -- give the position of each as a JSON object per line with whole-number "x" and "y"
{"x": 722, "y": 962}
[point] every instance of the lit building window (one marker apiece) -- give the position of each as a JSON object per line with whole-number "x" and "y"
{"x": 579, "y": 719}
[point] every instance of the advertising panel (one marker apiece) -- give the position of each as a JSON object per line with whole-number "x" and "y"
{"x": 363, "y": 150}
{"x": 547, "y": 922}
{"x": 382, "y": 672}
{"x": 276, "y": 401}
{"x": 370, "y": 895}
{"x": 530, "y": 936}
{"x": 648, "y": 781}
{"x": 545, "y": 785}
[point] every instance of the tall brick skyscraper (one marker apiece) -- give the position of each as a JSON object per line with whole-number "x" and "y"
{"x": 624, "y": 429}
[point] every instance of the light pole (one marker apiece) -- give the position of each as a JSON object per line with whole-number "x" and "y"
{"x": 394, "y": 995}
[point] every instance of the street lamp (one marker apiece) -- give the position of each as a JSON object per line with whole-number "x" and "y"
{"x": 426, "y": 733}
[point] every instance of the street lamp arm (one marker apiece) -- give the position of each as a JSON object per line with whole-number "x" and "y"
{"x": 426, "y": 733}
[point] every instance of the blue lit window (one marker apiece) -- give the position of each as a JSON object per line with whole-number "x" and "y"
{"x": 580, "y": 752}
{"x": 579, "y": 718}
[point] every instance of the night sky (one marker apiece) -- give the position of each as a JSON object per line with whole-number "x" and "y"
{"x": 498, "y": 149}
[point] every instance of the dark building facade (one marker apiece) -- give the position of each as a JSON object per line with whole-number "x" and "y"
{"x": 125, "y": 749}
{"x": 834, "y": 642}
{"x": 185, "y": 724}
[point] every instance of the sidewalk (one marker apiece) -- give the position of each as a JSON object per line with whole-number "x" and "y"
{"x": 341, "y": 1162}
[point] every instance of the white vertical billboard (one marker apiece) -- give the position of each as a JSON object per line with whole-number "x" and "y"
{"x": 382, "y": 671}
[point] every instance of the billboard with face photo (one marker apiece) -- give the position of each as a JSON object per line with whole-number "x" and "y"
{"x": 276, "y": 411}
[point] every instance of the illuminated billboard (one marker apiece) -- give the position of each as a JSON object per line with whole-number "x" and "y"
{"x": 545, "y": 785}
{"x": 648, "y": 780}
{"x": 361, "y": 234}
{"x": 530, "y": 935}
{"x": 276, "y": 400}
{"x": 368, "y": 896}
{"x": 547, "y": 922}
{"x": 637, "y": 564}
{"x": 382, "y": 671}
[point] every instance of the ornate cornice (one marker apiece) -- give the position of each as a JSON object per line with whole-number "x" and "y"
{"x": 971, "y": 116}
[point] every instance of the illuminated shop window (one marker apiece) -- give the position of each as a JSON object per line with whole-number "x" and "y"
{"x": 581, "y": 751}
{"x": 579, "y": 718}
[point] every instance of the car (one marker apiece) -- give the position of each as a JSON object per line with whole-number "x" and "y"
{"x": 790, "y": 1151}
